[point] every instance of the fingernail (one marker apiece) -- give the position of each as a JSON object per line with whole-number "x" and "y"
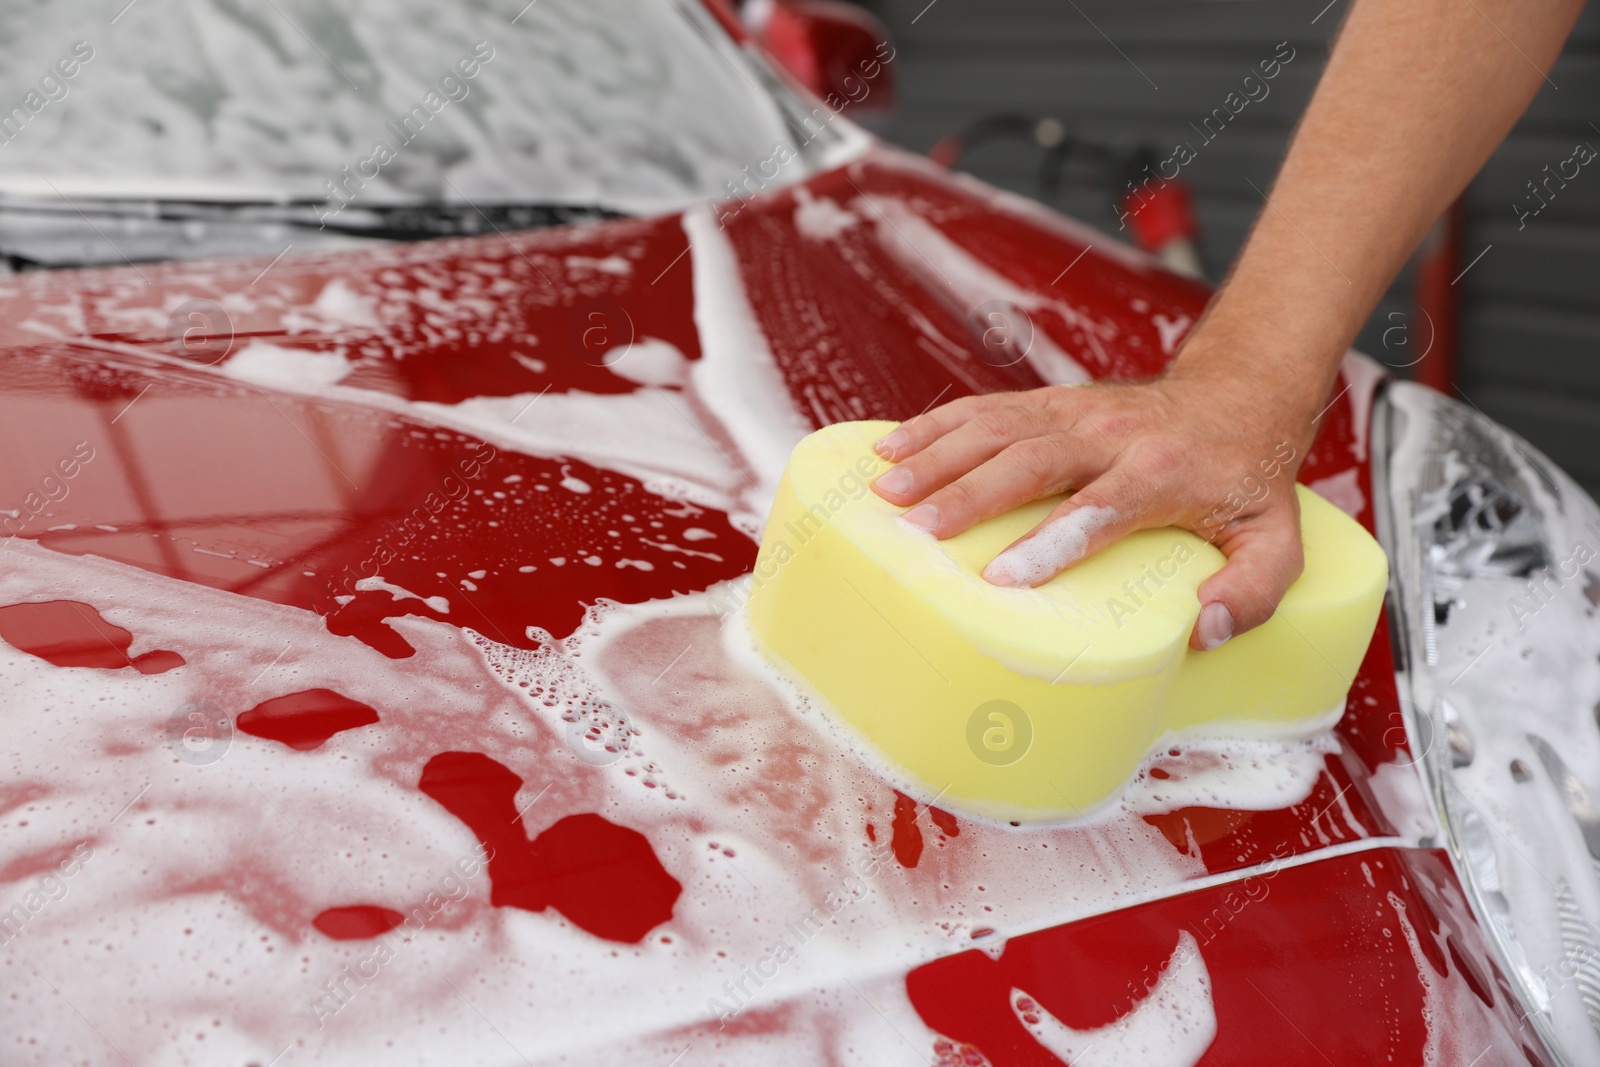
{"x": 923, "y": 516}
{"x": 997, "y": 573}
{"x": 897, "y": 481}
{"x": 1215, "y": 626}
{"x": 890, "y": 443}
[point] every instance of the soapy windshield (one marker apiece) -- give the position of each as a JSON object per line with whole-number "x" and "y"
{"x": 604, "y": 106}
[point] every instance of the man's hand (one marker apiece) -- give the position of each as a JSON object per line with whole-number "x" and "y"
{"x": 1198, "y": 453}
{"x": 1392, "y": 135}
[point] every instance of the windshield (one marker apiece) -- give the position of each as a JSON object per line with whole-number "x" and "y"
{"x": 338, "y": 111}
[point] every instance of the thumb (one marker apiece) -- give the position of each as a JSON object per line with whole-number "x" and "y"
{"x": 1264, "y": 558}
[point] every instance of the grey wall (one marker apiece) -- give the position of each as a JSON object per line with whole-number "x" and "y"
{"x": 1531, "y": 319}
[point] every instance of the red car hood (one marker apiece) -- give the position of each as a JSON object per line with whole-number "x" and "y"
{"x": 373, "y": 621}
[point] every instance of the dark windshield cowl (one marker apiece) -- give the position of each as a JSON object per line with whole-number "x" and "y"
{"x": 420, "y": 222}
{"x": 46, "y": 235}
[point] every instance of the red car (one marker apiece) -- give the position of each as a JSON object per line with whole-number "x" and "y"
{"x": 385, "y": 455}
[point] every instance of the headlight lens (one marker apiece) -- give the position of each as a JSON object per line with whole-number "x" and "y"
{"x": 1496, "y": 582}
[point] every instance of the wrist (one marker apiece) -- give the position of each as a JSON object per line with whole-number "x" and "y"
{"x": 1263, "y": 381}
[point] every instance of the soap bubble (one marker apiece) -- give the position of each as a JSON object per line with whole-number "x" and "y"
{"x": 600, "y": 740}
{"x": 199, "y": 733}
{"x": 999, "y": 733}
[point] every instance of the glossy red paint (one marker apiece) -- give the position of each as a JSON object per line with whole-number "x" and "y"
{"x": 603, "y": 877}
{"x": 357, "y": 922}
{"x": 234, "y": 487}
{"x": 304, "y": 721}
{"x": 1335, "y": 962}
{"x": 364, "y": 502}
{"x": 907, "y": 838}
{"x": 69, "y": 633}
{"x": 548, "y": 313}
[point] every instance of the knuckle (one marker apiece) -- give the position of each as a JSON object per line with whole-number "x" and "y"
{"x": 1102, "y": 497}
{"x": 1161, "y": 458}
{"x": 995, "y": 424}
{"x": 957, "y": 499}
{"x": 966, "y": 407}
{"x": 1034, "y": 458}
{"x": 1116, "y": 423}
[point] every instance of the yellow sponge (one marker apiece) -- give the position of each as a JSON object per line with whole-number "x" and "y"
{"x": 1038, "y": 704}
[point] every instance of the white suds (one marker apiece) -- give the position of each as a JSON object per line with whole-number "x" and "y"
{"x": 820, "y": 218}
{"x": 437, "y": 603}
{"x": 290, "y": 368}
{"x": 1343, "y": 491}
{"x": 340, "y": 304}
{"x": 1056, "y": 545}
{"x": 1172, "y": 1027}
{"x": 1461, "y": 1028}
{"x": 651, "y": 361}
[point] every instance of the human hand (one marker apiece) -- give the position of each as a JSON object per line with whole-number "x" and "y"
{"x": 1207, "y": 453}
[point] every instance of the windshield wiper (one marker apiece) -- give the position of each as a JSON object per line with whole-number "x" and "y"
{"x": 419, "y": 222}
{"x": 43, "y": 232}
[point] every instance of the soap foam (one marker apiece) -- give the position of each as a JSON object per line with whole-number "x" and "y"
{"x": 754, "y": 800}
{"x": 925, "y": 250}
{"x": 1343, "y": 491}
{"x": 1056, "y": 545}
{"x": 1365, "y": 375}
{"x": 650, "y": 361}
{"x": 278, "y": 366}
{"x": 820, "y": 218}
{"x": 1461, "y": 1028}
{"x": 1502, "y": 647}
{"x": 1171, "y": 1027}
{"x": 737, "y": 376}
{"x": 440, "y": 604}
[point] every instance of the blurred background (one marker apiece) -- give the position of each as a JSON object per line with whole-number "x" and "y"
{"x": 1056, "y": 99}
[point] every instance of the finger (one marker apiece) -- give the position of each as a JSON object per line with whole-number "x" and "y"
{"x": 1023, "y": 471}
{"x": 1264, "y": 558}
{"x": 914, "y": 435}
{"x": 1104, "y": 511}
{"x": 975, "y": 441}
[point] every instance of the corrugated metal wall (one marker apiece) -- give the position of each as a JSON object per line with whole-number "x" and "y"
{"x": 1142, "y": 71}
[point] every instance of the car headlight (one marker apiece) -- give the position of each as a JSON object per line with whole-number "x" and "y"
{"x": 1496, "y": 578}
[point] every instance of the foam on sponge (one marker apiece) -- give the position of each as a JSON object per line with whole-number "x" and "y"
{"x": 1037, "y": 704}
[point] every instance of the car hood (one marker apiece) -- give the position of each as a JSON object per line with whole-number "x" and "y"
{"x": 420, "y": 568}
